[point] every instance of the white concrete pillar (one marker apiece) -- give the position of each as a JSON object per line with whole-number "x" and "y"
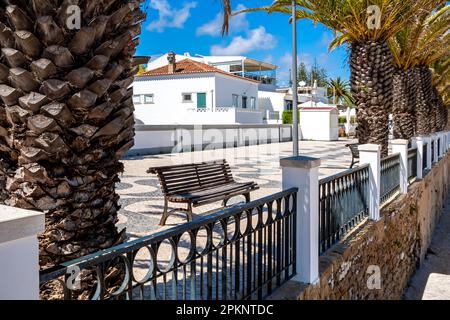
{"x": 428, "y": 141}
{"x": 19, "y": 253}
{"x": 303, "y": 173}
{"x": 444, "y": 143}
{"x": 371, "y": 154}
{"x": 441, "y": 144}
{"x": 419, "y": 142}
{"x": 401, "y": 146}
{"x": 448, "y": 139}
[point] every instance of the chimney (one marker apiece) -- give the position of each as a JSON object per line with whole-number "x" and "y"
{"x": 172, "y": 62}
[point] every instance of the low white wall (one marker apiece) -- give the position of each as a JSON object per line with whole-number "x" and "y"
{"x": 178, "y": 138}
{"x": 19, "y": 253}
{"x": 272, "y": 101}
{"x": 244, "y": 116}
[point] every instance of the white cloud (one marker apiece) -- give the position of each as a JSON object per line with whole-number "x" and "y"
{"x": 256, "y": 39}
{"x": 213, "y": 28}
{"x": 170, "y": 17}
{"x": 268, "y": 58}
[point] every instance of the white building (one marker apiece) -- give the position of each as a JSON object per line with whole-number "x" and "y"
{"x": 319, "y": 123}
{"x": 263, "y": 72}
{"x": 221, "y": 80}
{"x": 191, "y": 92}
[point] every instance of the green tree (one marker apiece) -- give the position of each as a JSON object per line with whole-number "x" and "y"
{"x": 365, "y": 26}
{"x": 303, "y": 74}
{"x": 318, "y": 74}
{"x": 339, "y": 91}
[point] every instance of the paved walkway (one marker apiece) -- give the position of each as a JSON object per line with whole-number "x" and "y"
{"x": 432, "y": 280}
{"x": 142, "y": 201}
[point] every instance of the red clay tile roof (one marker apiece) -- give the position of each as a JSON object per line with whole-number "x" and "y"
{"x": 188, "y": 66}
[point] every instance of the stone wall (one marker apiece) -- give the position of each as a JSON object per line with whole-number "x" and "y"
{"x": 394, "y": 246}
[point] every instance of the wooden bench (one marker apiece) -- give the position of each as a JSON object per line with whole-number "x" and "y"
{"x": 355, "y": 153}
{"x": 198, "y": 184}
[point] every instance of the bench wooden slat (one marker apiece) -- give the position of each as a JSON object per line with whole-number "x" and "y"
{"x": 190, "y": 177}
{"x": 203, "y": 186}
{"x": 186, "y": 167}
{"x": 211, "y": 192}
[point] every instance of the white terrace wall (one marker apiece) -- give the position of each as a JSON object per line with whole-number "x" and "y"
{"x": 19, "y": 253}
{"x": 181, "y": 138}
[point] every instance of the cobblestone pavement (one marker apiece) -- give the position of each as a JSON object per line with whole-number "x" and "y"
{"x": 142, "y": 201}
{"x": 432, "y": 280}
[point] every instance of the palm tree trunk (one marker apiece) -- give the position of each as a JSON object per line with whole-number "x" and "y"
{"x": 66, "y": 117}
{"x": 425, "y": 115}
{"x": 441, "y": 110}
{"x": 403, "y": 104}
{"x": 371, "y": 84}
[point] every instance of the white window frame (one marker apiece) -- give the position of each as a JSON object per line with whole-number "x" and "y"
{"x": 233, "y": 96}
{"x": 149, "y": 95}
{"x": 252, "y": 103}
{"x": 187, "y": 101}
{"x": 139, "y": 97}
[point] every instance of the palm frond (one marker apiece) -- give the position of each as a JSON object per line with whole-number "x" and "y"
{"x": 424, "y": 40}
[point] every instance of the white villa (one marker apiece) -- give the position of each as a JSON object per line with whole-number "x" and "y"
{"x": 192, "y": 92}
{"x": 185, "y": 89}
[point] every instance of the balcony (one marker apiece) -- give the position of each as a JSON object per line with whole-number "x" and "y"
{"x": 224, "y": 115}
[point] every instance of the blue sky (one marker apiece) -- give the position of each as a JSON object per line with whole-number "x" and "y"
{"x": 194, "y": 26}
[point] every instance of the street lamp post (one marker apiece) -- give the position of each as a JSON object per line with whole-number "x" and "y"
{"x": 294, "y": 80}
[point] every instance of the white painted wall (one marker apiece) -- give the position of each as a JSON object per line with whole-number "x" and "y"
{"x": 226, "y": 86}
{"x": 19, "y": 253}
{"x": 168, "y": 106}
{"x": 320, "y": 125}
{"x": 272, "y": 101}
{"x": 167, "y": 139}
{"x": 20, "y": 269}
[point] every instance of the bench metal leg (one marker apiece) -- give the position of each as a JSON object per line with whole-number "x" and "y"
{"x": 247, "y": 197}
{"x": 224, "y": 203}
{"x": 189, "y": 212}
{"x": 165, "y": 214}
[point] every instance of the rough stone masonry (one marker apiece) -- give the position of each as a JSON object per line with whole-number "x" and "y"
{"x": 377, "y": 260}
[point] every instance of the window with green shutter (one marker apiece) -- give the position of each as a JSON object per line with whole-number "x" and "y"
{"x": 201, "y": 100}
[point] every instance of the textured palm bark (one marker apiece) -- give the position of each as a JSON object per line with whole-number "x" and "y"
{"x": 425, "y": 113}
{"x": 441, "y": 110}
{"x": 371, "y": 84}
{"x": 403, "y": 112}
{"x": 66, "y": 117}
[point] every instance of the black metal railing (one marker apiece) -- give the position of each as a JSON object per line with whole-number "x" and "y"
{"x": 433, "y": 158}
{"x": 390, "y": 177}
{"x": 343, "y": 204}
{"x": 412, "y": 164}
{"x": 439, "y": 146}
{"x": 244, "y": 252}
{"x": 425, "y": 156}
